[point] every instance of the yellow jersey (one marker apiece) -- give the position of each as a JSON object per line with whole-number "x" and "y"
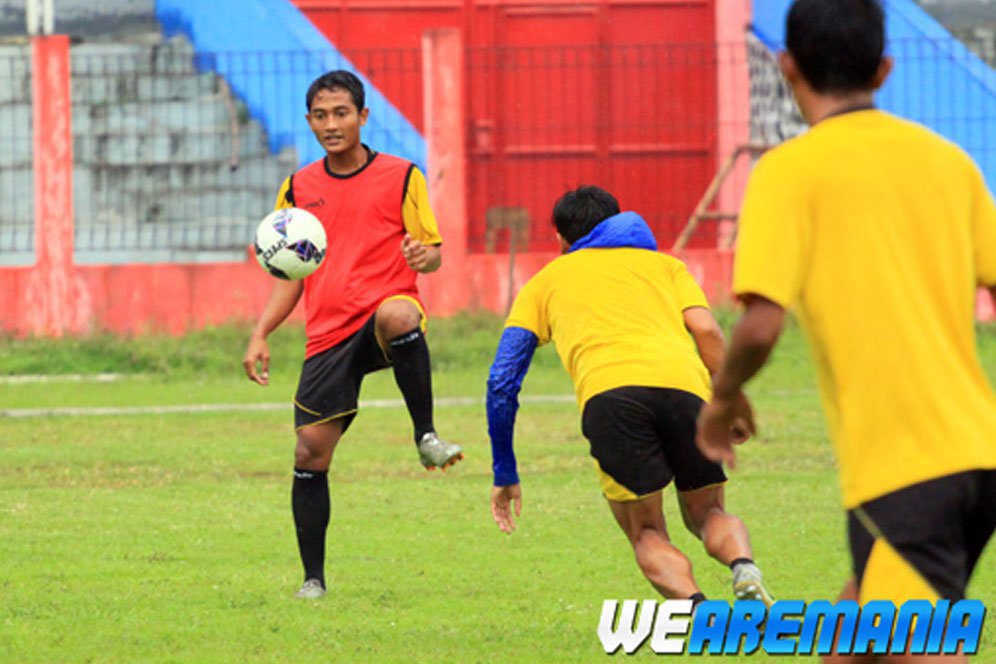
{"x": 877, "y": 231}
{"x": 615, "y": 316}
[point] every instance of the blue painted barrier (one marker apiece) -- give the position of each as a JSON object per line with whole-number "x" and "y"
{"x": 936, "y": 80}
{"x": 269, "y": 53}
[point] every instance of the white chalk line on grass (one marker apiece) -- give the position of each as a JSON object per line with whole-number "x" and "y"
{"x": 28, "y": 379}
{"x": 110, "y": 411}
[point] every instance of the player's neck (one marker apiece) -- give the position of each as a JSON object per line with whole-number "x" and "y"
{"x": 818, "y": 108}
{"x": 344, "y": 163}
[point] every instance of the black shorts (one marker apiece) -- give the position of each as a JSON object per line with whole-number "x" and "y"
{"x": 329, "y": 387}
{"x": 643, "y": 437}
{"x": 925, "y": 537}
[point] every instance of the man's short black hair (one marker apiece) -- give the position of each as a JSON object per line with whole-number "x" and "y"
{"x": 579, "y": 211}
{"x": 338, "y": 79}
{"x": 837, "y": 44}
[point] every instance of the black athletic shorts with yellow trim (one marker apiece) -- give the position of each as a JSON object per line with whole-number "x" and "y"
{"x": 643, "y": 437}
{"x": 329, "y": 387}
{"x": 923, "y": 541}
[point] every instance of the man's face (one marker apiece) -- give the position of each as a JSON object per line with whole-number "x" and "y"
{"x": 335, "y": 120}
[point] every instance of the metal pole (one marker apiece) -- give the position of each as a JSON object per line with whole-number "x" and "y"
{"x": 48, "y": 16}
{"x": 39, "y": 17}
{"x": 31, "y": 11}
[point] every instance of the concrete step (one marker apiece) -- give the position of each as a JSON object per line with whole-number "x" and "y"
{"x": 177, "y": 147}
{"x": 15, "y": 74}
{"x": 146, "y": 88}
{"x": 254, "y": 173}
{"x": 173, "y": 57}
{"x": 16, "y": 240}
{"x": 211, "y": 234}
{"x": 17, "y": 193}
{"x": 164, "y": 204}
{"x": 138, "y": 118}
{"x": 15, "y": 135}
{"x": 161, "y": 243}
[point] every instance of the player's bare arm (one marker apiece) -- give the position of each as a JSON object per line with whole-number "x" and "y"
{"x": 708, "y": 336}
{"x": 754, "y": 336}
{"x": 505, "y": 500}
{"x": 283, "y": 299}
{"x": 421, "y": 257}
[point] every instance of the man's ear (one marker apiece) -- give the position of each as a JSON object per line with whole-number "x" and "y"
{"x": 790, "y": 70}
{"x": 884, "y": 69}
{"x": 565, "y": 246}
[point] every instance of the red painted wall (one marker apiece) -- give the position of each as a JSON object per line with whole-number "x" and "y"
{"x": 628, "y": 103}
{"x": 137, "y": 299}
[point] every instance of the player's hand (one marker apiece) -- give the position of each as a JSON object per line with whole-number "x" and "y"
{"x": 722, "y": 424}
{"x": 502, "y": 498}
{"x": 257, "y": 361}
{"x": 743, "y": 426}
{"x": 415, "y": 253}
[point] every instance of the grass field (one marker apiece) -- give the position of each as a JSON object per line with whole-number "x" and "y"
{"x": 168, "y": 537}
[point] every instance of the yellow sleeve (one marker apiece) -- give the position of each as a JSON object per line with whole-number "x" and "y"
{"x": 529, "y": 311}
{"x": 285, "y": 197}
{"x": 774, "y": 233}
{"x": 420, "y": 222}
{"x": 686, "y": 288}
{"x": 984, "y": 233}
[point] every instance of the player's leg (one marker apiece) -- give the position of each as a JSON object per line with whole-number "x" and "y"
{"x": 310, "y": 500}
{"x": 633, "y": 470}
{"x": 664, "y": 565}
{"x": 725, "y": 538}
{"x": 700, "y": 485}
{"x": 400, "y": 335}
{"x": 324, "y": 407}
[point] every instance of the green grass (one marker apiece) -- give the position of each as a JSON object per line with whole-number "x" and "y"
{"x": 168, "y": 538}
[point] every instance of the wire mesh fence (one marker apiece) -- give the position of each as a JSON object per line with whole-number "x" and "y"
{"x": 175, "y": 162}
{"x": 168, "y": 165}
{"x": 638, "y": 120}
{"x": 939, "y": 83}
{"x": 16, "y": 174}
{"x": 178, "y": 154}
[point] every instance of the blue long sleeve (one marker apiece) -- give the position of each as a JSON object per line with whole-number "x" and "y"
{"x": 515, "y": 352}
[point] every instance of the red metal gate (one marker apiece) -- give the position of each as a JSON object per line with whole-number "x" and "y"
{"x": 611, "y": 92}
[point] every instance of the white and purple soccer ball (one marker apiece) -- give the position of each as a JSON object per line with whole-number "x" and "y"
{"x": 290, "y": 243}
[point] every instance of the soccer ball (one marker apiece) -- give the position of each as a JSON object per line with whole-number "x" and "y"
{"x": 290, "y": 243}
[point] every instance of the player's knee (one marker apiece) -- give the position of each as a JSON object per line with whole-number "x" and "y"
{"x": 397, "y": 317}
{"x": 313, "y": 451}
{"x": 304, "y": 456}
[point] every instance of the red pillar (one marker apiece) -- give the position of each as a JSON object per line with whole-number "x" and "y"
{"x": 733, "y": 107}
{"x": 447, "y": 291}
{"x": 52, "y": 302}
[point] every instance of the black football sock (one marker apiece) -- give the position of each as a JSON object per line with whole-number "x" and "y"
{"x": 310, "y": 501}
{"x": 410, "y": 357}
{"x": 741, "y": 561}
{"x": 697, "y": 598}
